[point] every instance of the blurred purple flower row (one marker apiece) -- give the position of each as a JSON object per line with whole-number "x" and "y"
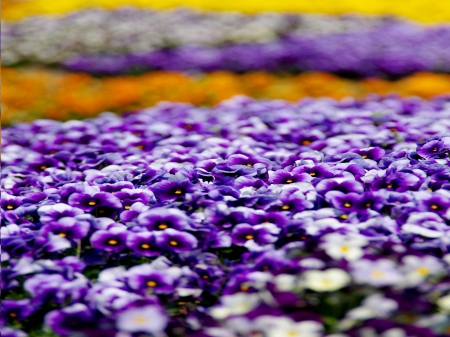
{"x": 253, "y": 218}
{"x": 50, "y": 40}
{"x": 393, "y": 49}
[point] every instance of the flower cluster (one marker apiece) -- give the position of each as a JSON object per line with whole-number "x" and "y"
{"x": 126, "y": 30}
{"x": 393, "y": 49}
{"x": 253, "y": 218}
{"x": 416, "y": 9}
{"x": 64, "y": 96}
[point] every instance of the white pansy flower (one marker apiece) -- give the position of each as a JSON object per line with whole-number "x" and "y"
{"x": 417, "y": 268}
{"x": 444, "y": 303}
{"x": 326, "y": 280}
{"x": 285, "y": 327}
{"x": 374, "y": 305}
{"x": 236, "y": 304}
{"x": 147, "y": 319}
{"x": 339, "y": 246}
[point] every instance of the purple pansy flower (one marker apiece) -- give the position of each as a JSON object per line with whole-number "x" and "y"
{"x": 143, "y": 243}
{"x": 158, "y": 219}
{"x": 113, "y": 239}
{"x": 100, "y": 204}
{"x": 176, "y": 241}
{"x": 74, "y": 317}
{"x": 145, "y": 278}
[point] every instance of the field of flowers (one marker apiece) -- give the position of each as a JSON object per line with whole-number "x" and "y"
{"x": 186, "y": 173}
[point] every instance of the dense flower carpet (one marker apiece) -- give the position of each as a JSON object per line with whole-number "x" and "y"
{"x": 226, "y": 169}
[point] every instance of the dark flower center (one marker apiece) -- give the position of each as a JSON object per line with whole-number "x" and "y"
{"x": 12, "y": 314}
{"x": 368, "y": 204}
{"x": 188, "y": 127}
{"x": 205, "y": 277}
{"x": 43, "y": 167}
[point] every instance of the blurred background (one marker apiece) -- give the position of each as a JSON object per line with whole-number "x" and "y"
{"x": 76, "y": 58}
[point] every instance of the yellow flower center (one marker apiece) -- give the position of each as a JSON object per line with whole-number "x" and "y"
{"x": 344, "y": 216}
{"x": 364, "y": 156}
{"x": 127, "y": 207}
{"x": 152, "y": 283}
{"x": 162, "y": 226}
{"x": 312, "y": 174}
{"x": 422, "y": 271}
{"x": 12, "y": 314}
{"x": 389, "y": 186}
{"x": 345, "y": 248}
{"x": 368, "y": 204}
{"x": 91, "y": 203}
{"x": 377, "y": 274}
{"x": 434, "y": 207}
{"x": 63, "y": 235}
{"x": 434, "y": 149}
{"x": 9, "y": 207}
{"x": 112, "y": 242}
{"x": 145, "y": 246}
{"x": 205, "y": 277}
{"x": 140, "y": 320}
{"x": 289, "y": 181}
{"x": 306, "y": 142}
{"x": 244, "y": 288}
{"x": 347, "y": 204}
{"x": 285, "y": 207}
{"x": 178, "y": 192}
{"x": 249, "y": 237}
{"x": 249, "y": 165}
{"x": 140, "y": 147}
{"x": 43, "y": 167}
{"x": 173, "y": 243}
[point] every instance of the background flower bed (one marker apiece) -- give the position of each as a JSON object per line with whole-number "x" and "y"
{"x": 31, "y": 94}
{"x": 309, "y": 218}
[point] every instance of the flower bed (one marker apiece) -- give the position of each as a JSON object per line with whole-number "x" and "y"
{"x": 48, "y": 40}
{"x": 254, "y": 217}
{"x": 391, "y": 48}
{"x": 66, "y": 95}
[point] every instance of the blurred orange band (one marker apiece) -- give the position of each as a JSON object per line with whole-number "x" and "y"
{"x": 30, "y": 94}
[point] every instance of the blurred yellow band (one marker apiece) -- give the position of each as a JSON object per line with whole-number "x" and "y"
{"x": 29, "y": 94}
{"x": 419, "y": 10}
